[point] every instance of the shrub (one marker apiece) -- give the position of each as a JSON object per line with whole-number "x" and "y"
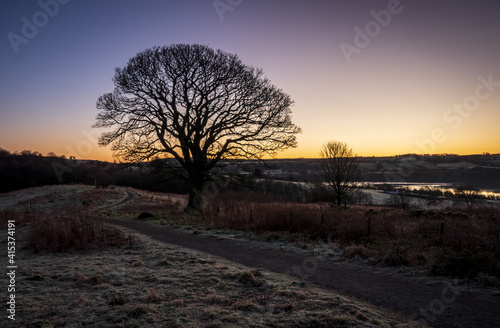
{"x": 450, "y": 242}
{"x": 357, "y": 250}
{"x": 395, "y": 256}
{"x": 485, "y": 280}
{"x": 462, "y": 265}
{"x": 118, "y": 299}
{"x": 96, "y": 279}
{"x": 163, "y": 262}
{"x": 248, "y": 278}
{"x": 62, "y": 233}
{"x": 154, "y": 297}
{"x": 137, "y": 263}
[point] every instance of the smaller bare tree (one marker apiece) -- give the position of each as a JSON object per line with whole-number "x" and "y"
{"x": 340, "y": 171}
{"x": 468, "y": 194}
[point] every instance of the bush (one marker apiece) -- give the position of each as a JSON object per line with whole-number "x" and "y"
{"x": 64, "y": 233}
{"x": 464, "y": 264}
{"x": 357, "y": 250}
{"x": 395, "y": 256}
{"x": 459, "y": 244}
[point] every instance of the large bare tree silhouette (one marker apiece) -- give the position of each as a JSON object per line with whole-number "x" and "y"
{"x": 196, "y": 105}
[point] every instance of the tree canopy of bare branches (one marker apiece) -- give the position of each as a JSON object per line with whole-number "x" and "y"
{"x": 197, "y": 105}
{"x": 340, "y": 171}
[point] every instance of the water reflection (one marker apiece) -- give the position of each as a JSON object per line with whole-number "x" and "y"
{"x": 442, "y": 187}
{"x": 427, "y": 195}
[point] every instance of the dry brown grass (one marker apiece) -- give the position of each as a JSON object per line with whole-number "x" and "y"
{"x": 457, "y": 242}
{"x": 150, "y": 284}
{"x": 61, "y": 233}
{"x": 60, "y": 217}
{"x": 461, "y": 242}
{"x": 99, "y": 288}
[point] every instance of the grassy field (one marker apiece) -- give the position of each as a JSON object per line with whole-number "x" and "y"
{"x": 76, "y": 273}
{"x": 456, "y": 242}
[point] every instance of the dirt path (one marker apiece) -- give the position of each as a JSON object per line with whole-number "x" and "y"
{"x": 130, "y": 196}
{"x": 435, "y": 303}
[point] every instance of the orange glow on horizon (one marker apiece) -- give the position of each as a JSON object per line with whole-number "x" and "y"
{"x": 416, "y": 88}
{"x": 104, "y": 153}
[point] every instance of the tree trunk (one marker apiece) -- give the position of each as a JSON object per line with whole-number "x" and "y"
{"x": 195, "y": 203}
{"x": 196, "y": 182}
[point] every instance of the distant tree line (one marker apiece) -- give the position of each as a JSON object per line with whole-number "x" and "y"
{"x": 29, "y": 169}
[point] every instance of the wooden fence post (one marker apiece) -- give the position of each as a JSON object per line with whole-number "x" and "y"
{"x": 441, "y": 232}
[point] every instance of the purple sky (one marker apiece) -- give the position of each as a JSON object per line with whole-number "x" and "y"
{"x": 416, "y": 86}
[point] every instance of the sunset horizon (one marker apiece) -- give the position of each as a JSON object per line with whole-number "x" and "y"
{"x": 385, "y": 77}
{"x": 250, "y": 163}
{"x": 292, "y": 156}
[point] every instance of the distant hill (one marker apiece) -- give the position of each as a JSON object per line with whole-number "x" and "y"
{"x": 481, "y": 171}
{"x": 31, "y": 169}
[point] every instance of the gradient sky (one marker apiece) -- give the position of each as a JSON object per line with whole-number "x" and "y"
{"x": 418, "y": 86}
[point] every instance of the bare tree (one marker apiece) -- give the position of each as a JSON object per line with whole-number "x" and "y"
{"x": 470, "y": 195}
{"x": 196, "y": 105}
{"x": 340, "y": 171}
